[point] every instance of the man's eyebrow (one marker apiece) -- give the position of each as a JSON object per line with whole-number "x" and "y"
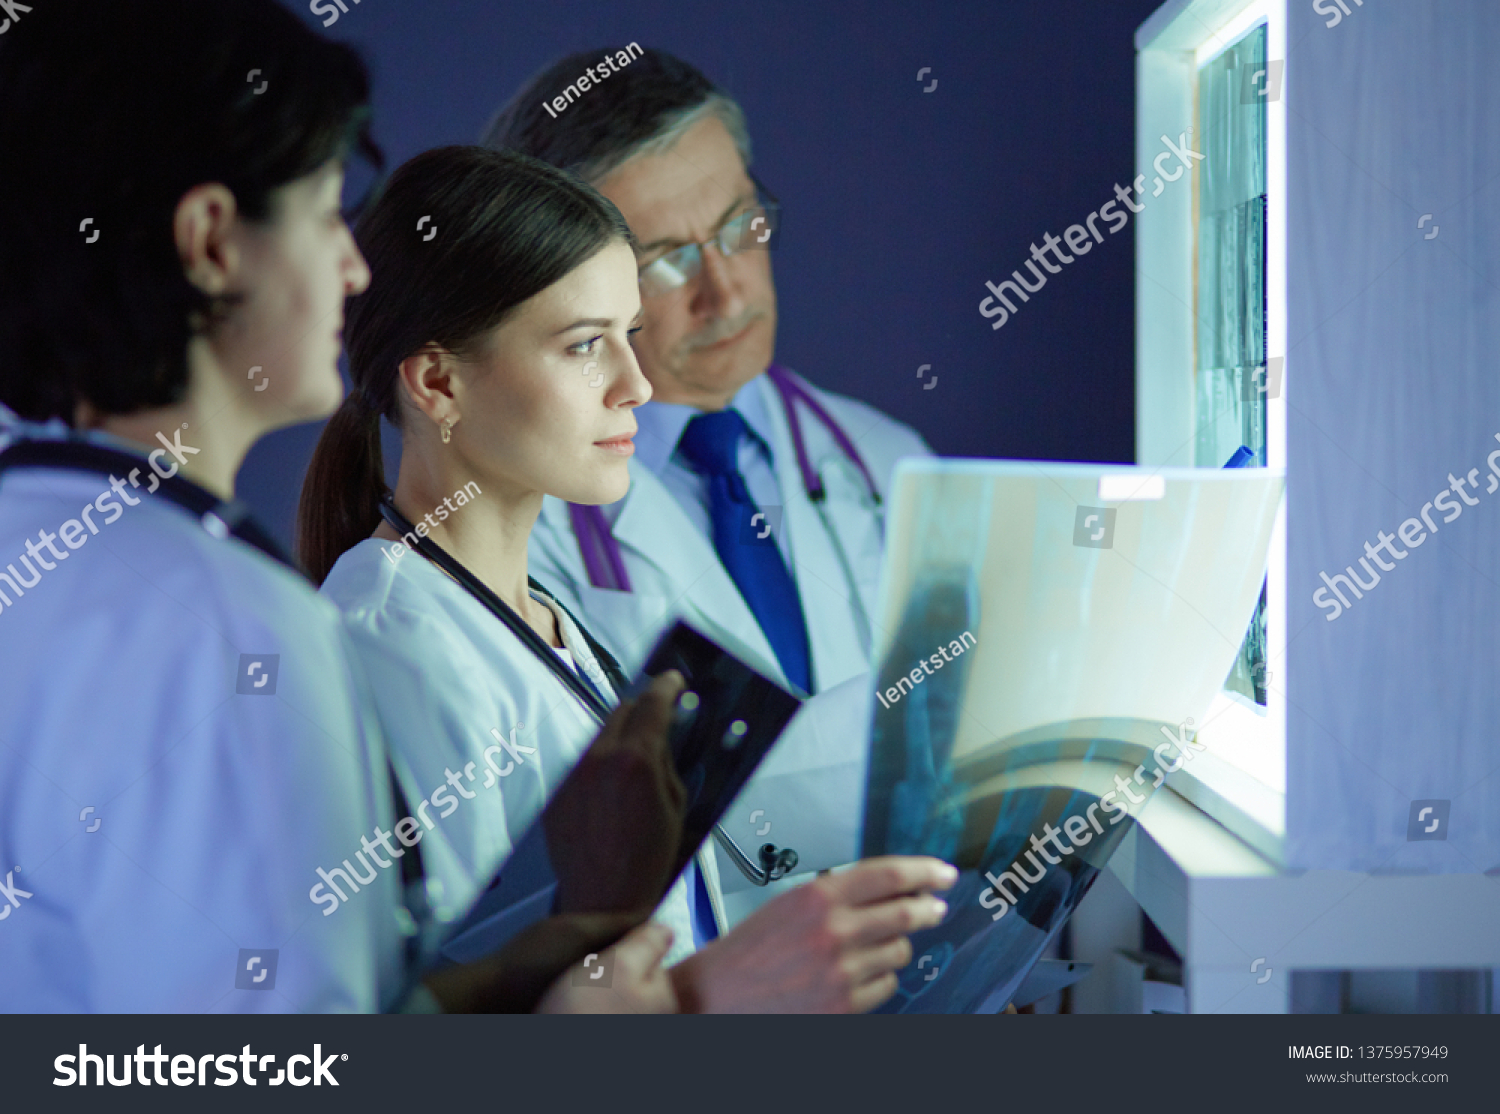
{"x": 646, "y": 249}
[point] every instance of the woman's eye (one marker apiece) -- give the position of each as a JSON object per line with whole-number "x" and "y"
{"x": 587, "y": 347}
{"x": 630, "y": 333}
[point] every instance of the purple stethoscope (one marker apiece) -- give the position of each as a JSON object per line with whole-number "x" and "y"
{"x": 601, "y": 552}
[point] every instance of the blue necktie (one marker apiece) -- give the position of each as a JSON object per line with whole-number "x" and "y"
{"x": 705, "y": 928}
{"x": 744, "y": 543}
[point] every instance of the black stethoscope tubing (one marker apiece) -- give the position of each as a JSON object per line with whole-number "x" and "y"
{"x": 506, "y": 614}
{"x": 773, "y": 862}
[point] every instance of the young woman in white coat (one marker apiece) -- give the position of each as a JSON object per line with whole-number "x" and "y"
{"x": 499, "y": 347}
{"x": 185, "y": 742}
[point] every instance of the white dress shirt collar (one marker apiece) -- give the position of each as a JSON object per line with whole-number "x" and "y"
{"x": 662, "y": 423}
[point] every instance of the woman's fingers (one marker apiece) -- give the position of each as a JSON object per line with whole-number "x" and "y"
{"x": 898, "y": 917}
{"x": 649, "y": 716}
{"x": 876, "y": 880}
{"x": 874, "y": 993}
{"x": 869, "y": 964}
{"x": 644, "y": 948}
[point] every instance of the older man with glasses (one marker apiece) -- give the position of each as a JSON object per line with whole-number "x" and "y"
{"x": 755, "y": 507}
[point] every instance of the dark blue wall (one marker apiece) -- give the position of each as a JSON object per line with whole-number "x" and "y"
{"x": 899, "y": 203}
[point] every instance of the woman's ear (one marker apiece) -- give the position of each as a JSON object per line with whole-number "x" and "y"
{"x": 428, "y": 377}
{"x": 203, "y": 227}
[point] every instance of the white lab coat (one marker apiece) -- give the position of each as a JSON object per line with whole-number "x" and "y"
{"x": 810, "y": 790}
{"x": 153, "y": 822}
{"x": 447, "y": 675}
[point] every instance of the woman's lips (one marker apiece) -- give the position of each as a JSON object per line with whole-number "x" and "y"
{"x": 625, "y": 446}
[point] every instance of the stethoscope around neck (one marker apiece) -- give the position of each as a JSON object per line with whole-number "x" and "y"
{"x": 605, "y": 564}
{"x": 773, "y": 862}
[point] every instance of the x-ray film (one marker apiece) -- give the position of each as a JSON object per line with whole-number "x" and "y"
{"x": 1042, "y": 657}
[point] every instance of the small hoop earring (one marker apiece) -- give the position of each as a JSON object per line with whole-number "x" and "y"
{"x": 446, "y": 430}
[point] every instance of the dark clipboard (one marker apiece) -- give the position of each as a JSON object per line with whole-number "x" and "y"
{"x": 726, "y": 720}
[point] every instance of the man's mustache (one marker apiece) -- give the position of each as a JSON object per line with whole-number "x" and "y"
{"x": 720, "y": 330}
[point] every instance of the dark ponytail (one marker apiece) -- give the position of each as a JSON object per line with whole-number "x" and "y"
{"x": 347, "y": 463}
{"x": 507, "y": 227}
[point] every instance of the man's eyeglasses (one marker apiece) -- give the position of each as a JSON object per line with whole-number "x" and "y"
{"x": 749, "y": 230}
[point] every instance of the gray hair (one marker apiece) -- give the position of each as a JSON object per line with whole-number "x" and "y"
{"x": 673, "y": 127}
{"x": 649, "y": 103}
